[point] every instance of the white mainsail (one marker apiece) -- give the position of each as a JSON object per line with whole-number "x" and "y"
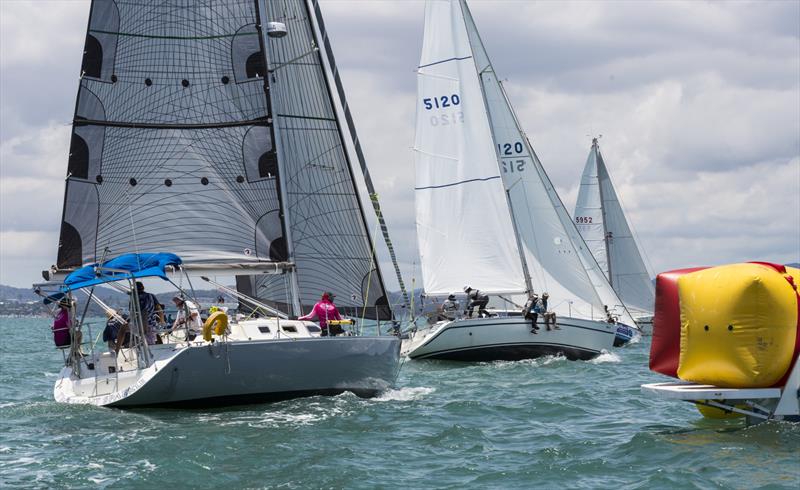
{"x": 556, "y": 257}
{"x": 464, "y": 227}
{"x": 601, "y": 221}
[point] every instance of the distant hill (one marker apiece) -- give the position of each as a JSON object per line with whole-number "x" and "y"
{"x": 24, "y": 302}
{"x": 794, "y": 264}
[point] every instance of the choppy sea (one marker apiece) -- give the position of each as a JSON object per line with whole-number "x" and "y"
{"x": 546, "y": 423}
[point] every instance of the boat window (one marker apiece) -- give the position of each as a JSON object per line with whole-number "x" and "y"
{"x": 290, "y": 329}
{"x": 313, "y": 328}
{"x": 263, "y": 329}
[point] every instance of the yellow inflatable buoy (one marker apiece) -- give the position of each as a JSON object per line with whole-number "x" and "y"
{"x": 218, "y": 319}
{"x": 738, "y": 325}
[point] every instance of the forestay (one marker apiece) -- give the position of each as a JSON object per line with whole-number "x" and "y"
{"x": 172, "y": 146}
{"x": 557, "y": 259}
{"x": 601, "y": 221}
{"x": 329, "y": 240}
{"x": 464, "y": 227}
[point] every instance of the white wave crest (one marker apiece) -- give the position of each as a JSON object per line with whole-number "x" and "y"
{"x": 405, "y": 394}
{"x": 606, "y": 357}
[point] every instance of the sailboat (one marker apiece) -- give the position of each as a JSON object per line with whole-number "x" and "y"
{"x": 218, "y": 132}
{"x": 489, "y": 217}
{"x": 602, "y": 224}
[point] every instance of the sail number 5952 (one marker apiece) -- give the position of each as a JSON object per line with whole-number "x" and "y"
{"x": 583, "y": 220}
{"x": 441, "y": 101}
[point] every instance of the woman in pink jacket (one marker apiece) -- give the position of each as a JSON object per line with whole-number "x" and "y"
{"x": 323, "y": 312}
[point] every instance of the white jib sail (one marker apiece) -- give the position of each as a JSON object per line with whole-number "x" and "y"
{"x": 464, "y": 229}
{"x": 625, "y": 268}
{"x": 558, "y": 260}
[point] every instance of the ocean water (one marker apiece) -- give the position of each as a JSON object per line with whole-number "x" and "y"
{"x": 544, "y": 423}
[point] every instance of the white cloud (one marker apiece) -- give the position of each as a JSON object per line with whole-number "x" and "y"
{"x": 32, "y": 32}
{"x": 698, "y": 102}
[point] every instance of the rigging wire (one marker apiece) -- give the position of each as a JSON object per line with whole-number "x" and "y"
{"x": 369, "y": 281}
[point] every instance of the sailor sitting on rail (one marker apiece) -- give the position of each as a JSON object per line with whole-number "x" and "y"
{"x": 549, "y": 316}
{"x": 529, "y": 312}
{"x": 324, "y": 311}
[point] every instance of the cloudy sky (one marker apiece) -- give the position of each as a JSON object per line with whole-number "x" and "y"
{"x": 698, "y": 104}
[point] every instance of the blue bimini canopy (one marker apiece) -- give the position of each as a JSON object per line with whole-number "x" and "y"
{"x": 134, "y": 265}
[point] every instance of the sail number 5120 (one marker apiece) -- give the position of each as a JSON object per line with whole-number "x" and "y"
{"x": 441, "y": 101}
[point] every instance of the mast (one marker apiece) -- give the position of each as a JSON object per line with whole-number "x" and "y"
{"x": 606, "y": 236}
{"x": 294, "y": 288}
{"x": 332, "y": 78}
{"x": 520, "y": 249}
{"x": 553, "y": 241}
{"x": 332, "y": 71}
{"x": 528, "y": 284}
{"x": 331, "y": 246}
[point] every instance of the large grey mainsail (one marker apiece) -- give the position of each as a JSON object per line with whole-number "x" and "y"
{"x": 330, "y": 243}
{"x": 172, "y": 147}
{"x": 197, "y": 133}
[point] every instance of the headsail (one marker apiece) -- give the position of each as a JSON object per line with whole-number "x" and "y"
{"x": 329, "y": 240}
{"x": 464, "y": 228}
{"x": 601, "y": 221}
{"x": 172, "y": 144}
{"x": 558, "y": 260}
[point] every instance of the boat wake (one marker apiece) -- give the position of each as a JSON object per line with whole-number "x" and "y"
{"x": 606, "y": 357}
{"x": 404, "y": 394}
{"x": 537, "y": 362}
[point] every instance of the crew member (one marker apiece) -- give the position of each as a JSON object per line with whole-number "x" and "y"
{"x": 476, "y": 298}
{"x": 188, "y": 315}
{"x": 549, "y": 316}
{"x": 450, "y": 308}
{"x": 529, "y": 311}
{"x": 324, "y": 311}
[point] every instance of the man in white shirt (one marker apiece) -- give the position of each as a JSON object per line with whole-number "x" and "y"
{"x": 192, "y": 321}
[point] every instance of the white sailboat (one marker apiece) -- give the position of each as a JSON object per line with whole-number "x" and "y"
{"x": 218, "y": 131}
{"x": 601, "y": 221}
{"x": 488, "y": 215}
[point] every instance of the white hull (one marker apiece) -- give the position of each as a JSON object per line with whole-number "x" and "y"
{"x": 229, "y": 372}
{"x": 509, "y": 338}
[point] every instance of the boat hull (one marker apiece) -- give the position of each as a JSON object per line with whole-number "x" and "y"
{"x": 227, "y": 373}
{"x": 509, "y": 339}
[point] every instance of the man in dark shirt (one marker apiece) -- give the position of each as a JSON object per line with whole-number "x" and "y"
{"x": 476, "y": 298}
